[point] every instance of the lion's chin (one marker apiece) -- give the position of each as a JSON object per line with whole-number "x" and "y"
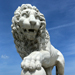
{"x": 31, "y": 36}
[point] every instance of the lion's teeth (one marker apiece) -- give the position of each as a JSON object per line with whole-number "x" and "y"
{"x": 27, "y": 30}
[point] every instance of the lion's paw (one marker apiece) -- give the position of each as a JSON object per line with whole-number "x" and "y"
{"x": 30, "y": 64}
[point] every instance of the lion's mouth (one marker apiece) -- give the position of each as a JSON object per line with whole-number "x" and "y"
{"x": 30, "y": 33}
{"x": 30, "y": 30}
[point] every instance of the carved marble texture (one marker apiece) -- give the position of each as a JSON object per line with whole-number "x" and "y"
{"x": 32, "y": 42}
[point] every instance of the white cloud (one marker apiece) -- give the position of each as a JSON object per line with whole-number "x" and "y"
{"x": 70, "y": 49}
{"x": 4, "y": 57}
{"x": 69, "y": 53}
{"x": 61, "y": 26}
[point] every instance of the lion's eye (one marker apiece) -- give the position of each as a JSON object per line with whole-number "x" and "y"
{"x": 24, "y": 15}
{"x": 27, "y": 12}
{"x": 37, "y": 17}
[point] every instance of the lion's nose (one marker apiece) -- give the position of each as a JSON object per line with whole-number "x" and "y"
{"x": 32, "y": 22}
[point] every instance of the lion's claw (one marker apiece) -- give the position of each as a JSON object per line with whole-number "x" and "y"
{"x": 38, "y": 65}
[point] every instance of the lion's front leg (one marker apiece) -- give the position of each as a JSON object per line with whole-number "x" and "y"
{"x": 36, "y": 60}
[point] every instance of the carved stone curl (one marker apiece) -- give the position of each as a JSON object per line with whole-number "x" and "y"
{"x": 33, "y": 42}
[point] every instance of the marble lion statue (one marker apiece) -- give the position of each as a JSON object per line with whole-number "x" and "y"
{"x": 32, "y": 41}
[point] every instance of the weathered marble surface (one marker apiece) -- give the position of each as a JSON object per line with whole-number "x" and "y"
{"x": 32, "y": 42}
{"x": 36, "y": 72}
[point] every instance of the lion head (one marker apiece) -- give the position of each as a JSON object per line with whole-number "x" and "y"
{"x": 29, "y": 29}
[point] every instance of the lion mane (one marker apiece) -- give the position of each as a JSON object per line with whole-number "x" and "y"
{"x": 25, "y": 46}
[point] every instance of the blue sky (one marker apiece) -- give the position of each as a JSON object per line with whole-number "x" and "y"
{"x": 60, "y": 19}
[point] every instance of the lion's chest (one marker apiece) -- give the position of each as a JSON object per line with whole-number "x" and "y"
{"x": 30, "y": 46}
